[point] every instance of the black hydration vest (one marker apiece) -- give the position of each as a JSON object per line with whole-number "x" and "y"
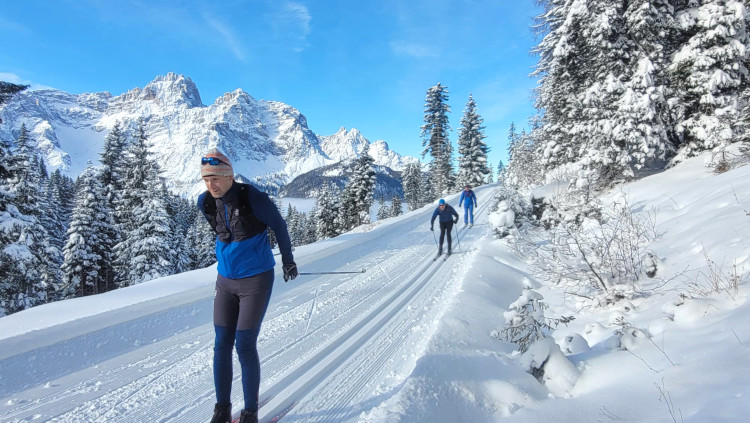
{"x": 242, "y": 221}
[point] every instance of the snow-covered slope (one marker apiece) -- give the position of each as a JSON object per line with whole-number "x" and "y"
{"x": 268, "y": 141}
{"x": 409, "y": 339}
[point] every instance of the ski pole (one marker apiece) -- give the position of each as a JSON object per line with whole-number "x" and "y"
{"x": 329, "y": 273}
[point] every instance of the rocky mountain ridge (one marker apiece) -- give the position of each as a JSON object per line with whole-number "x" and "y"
{"x": 268, "y": 142}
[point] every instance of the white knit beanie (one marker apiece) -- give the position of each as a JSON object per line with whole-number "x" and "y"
{"x": 221, "y": 169}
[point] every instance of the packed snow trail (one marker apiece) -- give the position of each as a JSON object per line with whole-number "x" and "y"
{"x": 328, "y": 344}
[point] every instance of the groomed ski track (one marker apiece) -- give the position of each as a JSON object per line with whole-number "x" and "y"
{"x": 330, "y": 346}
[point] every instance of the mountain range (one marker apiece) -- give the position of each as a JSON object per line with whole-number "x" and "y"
{"x": 268, "y": 142}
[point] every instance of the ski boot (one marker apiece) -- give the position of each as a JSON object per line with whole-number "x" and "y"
{"x": 249, "y": 416}
{"x": 222, "y": 413}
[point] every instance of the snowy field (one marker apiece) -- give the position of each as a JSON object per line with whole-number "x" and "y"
{"x": 409, "y": 339}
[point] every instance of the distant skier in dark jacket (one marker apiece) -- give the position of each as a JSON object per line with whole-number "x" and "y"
{"x": 468, "y": 201}
{"x": 240, "y": 215}
{"x": 448, "y": 217}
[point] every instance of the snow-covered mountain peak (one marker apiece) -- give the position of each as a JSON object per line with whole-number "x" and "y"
{"x": 269, "y": 142}
{"x": 170, "y": 90}
{"x": 348, "y": 144}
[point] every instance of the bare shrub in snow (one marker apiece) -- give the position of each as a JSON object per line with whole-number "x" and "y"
{"x": 593, "y": 250}
{"x": 715, "y": 280}
{"x": 726, "y": 158}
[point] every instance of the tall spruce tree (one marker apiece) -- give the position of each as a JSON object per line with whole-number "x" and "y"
{"x": 396, "y": 208}
{"x": 145, "y": 252}
{"x": 358, "y": 196}
{"x": 11, "y": 220}
{"x": 562, "y": 56}
{"x": 30, "y": 248}
{"x": 384, "y": 212}
{"x": 472, "y": 150}
{"x": 327, "y": 213}
{"x": 202, "y": 240}
{"x": 115, "y": 161}
{"x": 411, "y": 182}
{"x": 435, "y": 139}
{"x": 709, "y": 72}
{"x": 86, "y": 250}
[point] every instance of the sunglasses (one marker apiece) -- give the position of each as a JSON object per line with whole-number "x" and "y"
{"x": 213, "y": 161}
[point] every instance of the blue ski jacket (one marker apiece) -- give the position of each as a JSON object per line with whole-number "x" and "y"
{"x": 241, "y": 219}
{"x": 470, "y": 197}
{"x": 445, "y": 216}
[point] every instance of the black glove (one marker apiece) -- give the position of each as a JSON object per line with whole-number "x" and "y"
{"x": 290, "y": 271}
{"x": 455, "y": 220}
{"x": 431, "y": 228}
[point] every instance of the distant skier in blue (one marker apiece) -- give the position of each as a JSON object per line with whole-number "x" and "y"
{"x": 468, "y": 201}
{"x": 448, "y": 217}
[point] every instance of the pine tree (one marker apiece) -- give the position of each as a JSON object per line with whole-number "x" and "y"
{"x": 10, "y": 223}
{"x": 144, "y": 253}
{"x": 426, "y": 191}
{"x": 472, "y": 150}
{"x": 412, "y": 183}
{"x": 560, "y": 80}
{"x": 384, "y": 212}
{"x": 180, "y": 213}
{"x": 27, "y": 242}
{"x": 202, "y": 240}
{"x": 86, "y": 250}
{"x": 709, "y": 72}
{"x": 396, "y": 208}
{"x": 358, "y": 195}
{"x": 435, "y": 139}
{"x": 327, "y": 214}
{"x": 115, "y": 161}
{"x": 311, "y": 228}
{"x": 8, "y": 90}
{"x": 645, "y": 120}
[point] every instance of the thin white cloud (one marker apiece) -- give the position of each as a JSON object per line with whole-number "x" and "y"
{"x": 229, "y": 37}
{"x": 292, "y": 23}
{"x": 419, "y": 51}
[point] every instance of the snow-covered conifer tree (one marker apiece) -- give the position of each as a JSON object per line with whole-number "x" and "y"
{"x": 358, "y": 196}
{"x": 202, "y": 240}
{"x": 396, "y": 208}
{"x": 384, "y": 212}
{"x": 28, "y": 242}
{"x": 86, "y": 249}
{"x": 327, "y": 214}
{"x": 411, "y": 181}
{"x": 435, "y": 139}
{"x": 709, "y": 71}
{"x": 144, "y": 253}
{"x": 472, "y": 150}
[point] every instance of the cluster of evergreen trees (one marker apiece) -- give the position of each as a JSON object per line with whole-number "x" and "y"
{"x": 473, "y": 168}
{"x": 628, "y": 85}
{"x": 117, "y": 225}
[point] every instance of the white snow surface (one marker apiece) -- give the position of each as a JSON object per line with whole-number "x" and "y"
{"x": 409, "y": 339}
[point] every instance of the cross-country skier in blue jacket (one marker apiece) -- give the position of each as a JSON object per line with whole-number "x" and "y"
{"x": 240, "y": 215}
{"x": 448, "y": 217}
{"x": 468, "y": 201}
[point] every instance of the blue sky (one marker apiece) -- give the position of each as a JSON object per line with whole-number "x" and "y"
{"x": 357, "y": 64}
